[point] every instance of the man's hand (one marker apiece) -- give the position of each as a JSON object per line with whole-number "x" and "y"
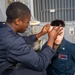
{"x": 52, "y": 35}
{"x": 55, "y": 32}
{"x": 43, "y": 31}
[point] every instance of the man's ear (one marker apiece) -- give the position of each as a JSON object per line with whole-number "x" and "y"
{"x": 17, "y": 21}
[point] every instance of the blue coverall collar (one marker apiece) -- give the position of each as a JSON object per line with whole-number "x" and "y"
{"x": 7, "y": 27}
{"x": 63, "y": 43}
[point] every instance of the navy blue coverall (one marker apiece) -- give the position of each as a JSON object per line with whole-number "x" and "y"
{"x": 63, "y": 62}
{"x": 16, "y": 49}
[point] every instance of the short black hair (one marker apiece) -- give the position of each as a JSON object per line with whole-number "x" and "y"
{"x": 57, "y": 23}
{"x": 17, "y": 10}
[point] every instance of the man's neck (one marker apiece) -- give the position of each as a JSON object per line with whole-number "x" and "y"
{"x": 55, "y": 46}
{"x": 11, "y": 25}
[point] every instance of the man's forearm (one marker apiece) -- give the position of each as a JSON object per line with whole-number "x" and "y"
{"x": 50, "y": 42}
{"x": 39, "y": 35}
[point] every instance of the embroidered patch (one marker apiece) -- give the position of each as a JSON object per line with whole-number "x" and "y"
{"x": 61, "y": 56}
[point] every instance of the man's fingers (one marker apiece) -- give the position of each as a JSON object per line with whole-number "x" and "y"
{"x": 57, "y": 29}
{"x": 60, "y": 31}
{"x": 47, "y": 26}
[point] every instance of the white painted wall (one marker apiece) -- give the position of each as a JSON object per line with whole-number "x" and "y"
{"x": 3, "y": 7}
{"x": 2, "y": 10}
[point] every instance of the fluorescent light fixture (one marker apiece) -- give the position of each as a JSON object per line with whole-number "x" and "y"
{"x": 52, "y": 10}
{"x": 34, "y": 21}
